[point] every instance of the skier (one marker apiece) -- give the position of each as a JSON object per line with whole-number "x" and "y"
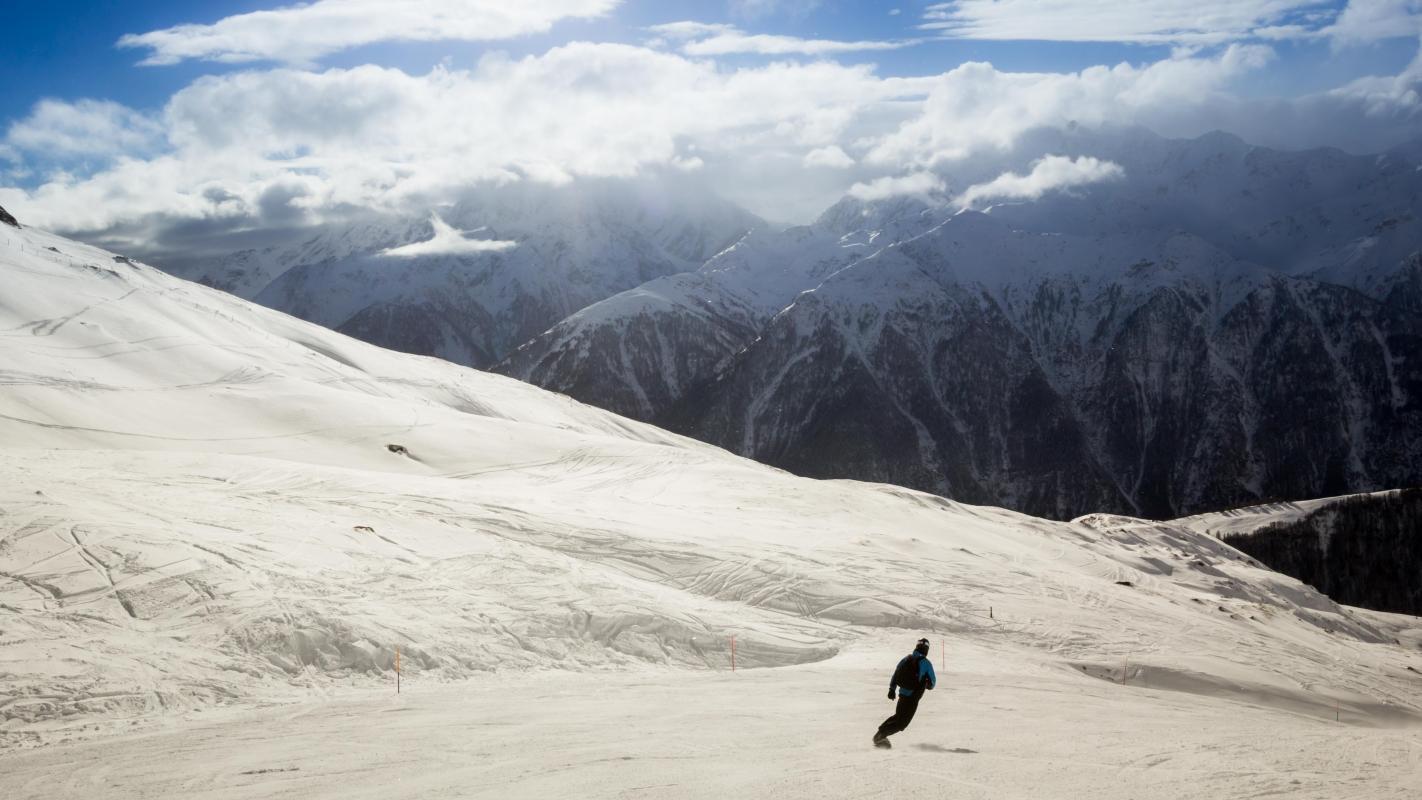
{"x": 912, "y": 677}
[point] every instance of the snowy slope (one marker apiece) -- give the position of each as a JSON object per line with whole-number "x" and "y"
{"x": 200, "y": 507}
{"x": 996, "y": 728}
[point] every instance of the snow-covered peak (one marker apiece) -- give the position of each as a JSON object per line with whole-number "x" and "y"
{"x": 852, "y": 216}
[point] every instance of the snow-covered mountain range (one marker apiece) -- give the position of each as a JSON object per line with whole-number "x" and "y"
{"x": 1219, "y": 324}
{"x": 549, "y": 252}
{"x": 642, "y": 351}
{"x": 1209, "y": 324}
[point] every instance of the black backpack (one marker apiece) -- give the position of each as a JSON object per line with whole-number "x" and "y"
{"x": 906, "y": 673}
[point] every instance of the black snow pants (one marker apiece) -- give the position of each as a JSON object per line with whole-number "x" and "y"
{"x": 903, "y": 714}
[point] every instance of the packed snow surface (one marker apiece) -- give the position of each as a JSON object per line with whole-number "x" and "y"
{"x": 218, "y": 524}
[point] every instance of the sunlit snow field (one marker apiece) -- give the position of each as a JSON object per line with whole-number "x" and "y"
{"x": 209, "y": 554}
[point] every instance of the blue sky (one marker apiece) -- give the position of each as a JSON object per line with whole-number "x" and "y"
{"x": 787, "y": 104}
{"x": 69, "y": 51}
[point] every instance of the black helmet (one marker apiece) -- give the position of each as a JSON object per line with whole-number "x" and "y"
{"x": 922, "y": 647}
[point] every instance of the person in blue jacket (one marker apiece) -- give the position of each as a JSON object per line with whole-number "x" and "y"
{"x": 912, "y": 677}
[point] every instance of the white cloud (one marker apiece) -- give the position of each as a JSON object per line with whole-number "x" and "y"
{"x": 301, "y": 33}
{"x": 447, "y": 241}
{"x": 1371, "y": 20}
{"x": 1139, "y": 21}
{"x": 977, "y": 106}
{"x": 831, "y": 156}
{"x": 57, "y": 130}
{"x": 707, "y": 39}
{"x": 284, "y": 146}
{"x": 1384, "y": 95}
{"x": 371, "y": 137}
{"x": 917, "y": 183}
{"x": 1048, "y": 174}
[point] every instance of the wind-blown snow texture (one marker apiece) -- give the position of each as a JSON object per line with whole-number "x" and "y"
{"x": 1225, "y": 323}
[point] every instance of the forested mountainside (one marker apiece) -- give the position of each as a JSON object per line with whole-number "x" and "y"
{"x": 1364, "y": 550}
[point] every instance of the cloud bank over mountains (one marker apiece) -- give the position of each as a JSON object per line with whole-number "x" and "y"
{"x": 776, "y": 123}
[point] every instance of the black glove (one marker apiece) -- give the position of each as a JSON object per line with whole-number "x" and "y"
{"x": 891, "y": 695}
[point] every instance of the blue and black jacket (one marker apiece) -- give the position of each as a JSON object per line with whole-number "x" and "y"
{"x": 926, "y": 676}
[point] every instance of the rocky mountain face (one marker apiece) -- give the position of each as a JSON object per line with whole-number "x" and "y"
{"x": 639, "y": 352}
{"x": 1225, "y": 323}
{"x": 559, "y": 250}
{"x": 1147, "y": 390}
{"x": 885, "y": 373}
{"x": 7, "y": 219}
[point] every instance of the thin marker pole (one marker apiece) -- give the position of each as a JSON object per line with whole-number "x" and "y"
{"x": 397, "y": 669}
{"x": 733, "y": 652}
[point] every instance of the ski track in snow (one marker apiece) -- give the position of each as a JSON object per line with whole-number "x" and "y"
{"x": 994, "y": 728}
